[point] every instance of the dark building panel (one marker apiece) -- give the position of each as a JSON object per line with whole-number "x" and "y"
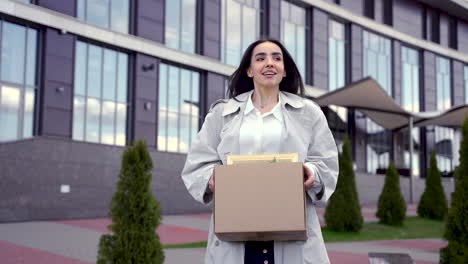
{"x": 397, "y": 72}
{"x": 429, "y": 81}
{"x": 320, "y": 49}
{"x": 458, "y": 83}
{"x": 66, "y": 7}
{"x": 91, "y": 170}
{"x": 215, "y": 85}
{"x": 145, "y": 98}
{"x": 57, "y": 82}
{"x": 274, "y": 18}
{"x": 408, "y": 17}
{"x": 462, "y": 34}
{"x": 149, "y": 20}
{"x": 211, "y": 23}
{"x": 356, "y": 53}
{"x": 444, "y": 30}
{"x": 355, "y": 6}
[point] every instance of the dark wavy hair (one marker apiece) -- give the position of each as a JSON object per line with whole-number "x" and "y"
{"x": 240, "y": 83}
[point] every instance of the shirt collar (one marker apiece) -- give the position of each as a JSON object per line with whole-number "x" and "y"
{"x": 276, "y": 111}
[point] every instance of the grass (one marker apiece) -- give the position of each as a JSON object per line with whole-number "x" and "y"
{"x": 414, "y": 227}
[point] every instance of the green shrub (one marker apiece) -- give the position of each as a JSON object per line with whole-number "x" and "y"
{"x": 135, "y": 214}
{"x": 433, "y": 204}
{"x": 391, "y": 209}
{"x": 456, "y": 230}
{"x": 343, "y": 211}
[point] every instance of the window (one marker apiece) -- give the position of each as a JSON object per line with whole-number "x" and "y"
{"x": 18, "y": 84}
{"x": 336, "y": 55}
{"x": 431, "y": 25}
{"x": 453, "y": 36}
{"x": 179, "y": 102}
{"x": 466, "y": 84}
{"x": 369, "y": 8}
{"x": 111, "y": 14}
{"x": 180, "y": 24}
{"x": 293, "y": 33}
{"x": 337, "y": 116}
{"x": 410, "y": 102}
{"x": 388, "y": 12}
{"x": 377, "y": 60}
{"x": 377, "y": 64}
{"x": 25, "y": 1}
{"x": 240, "y": 27}
{"x": 444, "y": 136}
{"x": 100, "y": 95}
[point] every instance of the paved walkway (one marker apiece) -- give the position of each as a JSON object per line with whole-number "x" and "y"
{"x": 75, "y": 241}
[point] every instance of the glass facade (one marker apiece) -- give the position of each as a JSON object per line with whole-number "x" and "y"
{"x": 411, "y": 102}
{"x": 377, "y": 64}
{"x": 337, "y": 116}
{"x": 180, "y": 24}
{"x": 293, "y": 33}
{"x": 240, "y": 27}
{"x": 336, "y": 55}
{"x": 179, "y": 103}
{"x": 111, "y": 14}
{"x": 444, "y": 137}
{"x": 100, "y": 95}
{"x": 18, "y": 84}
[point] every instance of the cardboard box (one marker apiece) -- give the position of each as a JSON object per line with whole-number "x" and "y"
{"x": 260, "y": 202}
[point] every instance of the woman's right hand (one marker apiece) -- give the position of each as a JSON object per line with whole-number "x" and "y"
{"x": 211, "y": 183}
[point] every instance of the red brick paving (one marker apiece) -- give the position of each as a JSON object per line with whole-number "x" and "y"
{"x": 168, "y": 234}
{"x": 347, "y": 258}
{"x": 14, "y": 254}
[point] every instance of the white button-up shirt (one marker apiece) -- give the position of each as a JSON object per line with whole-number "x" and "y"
{"x": 260, "y": 133}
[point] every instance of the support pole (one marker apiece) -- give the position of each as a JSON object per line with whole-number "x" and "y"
{"x": 411, "y": 158}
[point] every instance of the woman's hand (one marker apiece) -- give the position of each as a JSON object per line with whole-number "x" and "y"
{"x": 309, "y": 178}
{"x": 211, "y": 183}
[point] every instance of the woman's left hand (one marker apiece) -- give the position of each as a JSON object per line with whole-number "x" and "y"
{"x": 309, "y": 178}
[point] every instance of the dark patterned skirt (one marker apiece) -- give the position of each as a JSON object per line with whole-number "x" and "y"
{"x": 259, "y": 252}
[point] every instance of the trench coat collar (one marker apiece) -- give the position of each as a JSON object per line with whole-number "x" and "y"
{"x": 285, "y": 98}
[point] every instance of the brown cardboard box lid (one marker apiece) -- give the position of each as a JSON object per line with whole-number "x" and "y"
{"x": 259, "y": 201}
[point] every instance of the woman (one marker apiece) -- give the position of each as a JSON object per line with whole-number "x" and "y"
{"x": 266, "y": 114}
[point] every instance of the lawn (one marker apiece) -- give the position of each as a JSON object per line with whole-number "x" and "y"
{"x": 414, "y": 227}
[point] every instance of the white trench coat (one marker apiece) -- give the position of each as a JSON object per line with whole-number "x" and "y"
{"x": 307, "y": 134}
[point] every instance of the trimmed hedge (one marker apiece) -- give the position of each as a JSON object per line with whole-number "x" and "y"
{"x": 433, "y": 204}
{"x": 391, "y": 206}
{"x": 135, "y": 214}
{"x": 343, "y": 212}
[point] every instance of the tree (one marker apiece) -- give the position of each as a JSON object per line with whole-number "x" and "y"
{"x": 391, "y": 206}
{"x": 135, "y": 214}
{"x": 456, "y": 229}
{"x": 433, "y": 204}
{"x": 343, "y": 212}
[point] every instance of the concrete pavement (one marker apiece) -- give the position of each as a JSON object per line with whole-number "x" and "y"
{"x": 75, "y": 241}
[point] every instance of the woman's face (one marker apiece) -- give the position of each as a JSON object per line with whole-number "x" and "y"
{"x": 266, "y": 65}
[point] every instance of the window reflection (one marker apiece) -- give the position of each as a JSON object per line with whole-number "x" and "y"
{"x": 180, "y": 24}
{"x": 293, "y": 23}
{"x": 444, "y": 137}
{"x": 17, "y": 80}
{"x": 111, "y": 14}
{"x": 178, "y": 114}
{"x": 100, "y": 111}
{"x": 377, "y": 64}
{"x": 240, "y": 27}
{"x": 410, "y": 102}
